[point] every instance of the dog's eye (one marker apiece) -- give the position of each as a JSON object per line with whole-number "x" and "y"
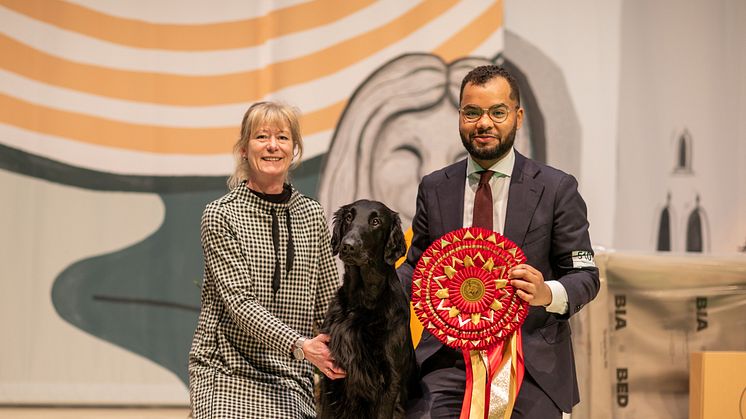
{"x": 348, "y": 217}
{"x": 375, "y": 222}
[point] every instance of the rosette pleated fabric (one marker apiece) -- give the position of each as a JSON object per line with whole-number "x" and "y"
{"x": 462, "y": 296}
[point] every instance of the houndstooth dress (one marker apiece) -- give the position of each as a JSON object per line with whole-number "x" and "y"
{"x": 241, "y": 363}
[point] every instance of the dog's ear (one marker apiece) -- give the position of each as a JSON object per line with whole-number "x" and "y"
{"x": 396, "y": 247}
{"x": 338, "y": 226}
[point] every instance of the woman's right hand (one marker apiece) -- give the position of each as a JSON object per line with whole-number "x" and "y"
{"x": 317, "y": 353}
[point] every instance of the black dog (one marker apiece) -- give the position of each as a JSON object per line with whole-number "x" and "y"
{"x": 368, "y": 321}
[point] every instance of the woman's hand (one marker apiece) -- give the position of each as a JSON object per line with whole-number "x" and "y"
{"x": 317, "y": 353}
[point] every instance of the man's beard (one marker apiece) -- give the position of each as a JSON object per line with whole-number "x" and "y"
{"x": 490, "y": 153}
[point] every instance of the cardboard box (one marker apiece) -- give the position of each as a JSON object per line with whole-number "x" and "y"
{"x": 717, "y": 385}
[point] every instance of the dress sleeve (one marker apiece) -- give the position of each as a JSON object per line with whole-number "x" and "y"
{"x": 234, "y": 283}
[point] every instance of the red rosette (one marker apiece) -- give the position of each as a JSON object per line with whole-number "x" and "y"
{"x": 461, "y": 292}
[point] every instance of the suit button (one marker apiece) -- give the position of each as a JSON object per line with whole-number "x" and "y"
{"x": 578, "y": 307}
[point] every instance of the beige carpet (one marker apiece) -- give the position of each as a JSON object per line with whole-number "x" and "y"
{"x": 91, "y": 413}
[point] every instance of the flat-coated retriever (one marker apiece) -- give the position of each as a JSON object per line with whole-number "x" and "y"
{"x": 368, "y": 320}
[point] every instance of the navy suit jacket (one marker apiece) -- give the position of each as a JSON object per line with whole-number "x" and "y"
{"x": 546, "y": 217}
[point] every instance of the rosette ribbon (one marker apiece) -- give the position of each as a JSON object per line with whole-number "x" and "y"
{"x": 462, "y": 296}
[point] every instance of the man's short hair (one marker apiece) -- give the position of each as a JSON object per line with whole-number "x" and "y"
{"x": 479, "y": 76}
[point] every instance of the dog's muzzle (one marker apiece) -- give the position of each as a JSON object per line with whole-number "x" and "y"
{"x": 350, "y": 251}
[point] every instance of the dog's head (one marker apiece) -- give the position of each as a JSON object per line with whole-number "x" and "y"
{"x": 365, "y": 232}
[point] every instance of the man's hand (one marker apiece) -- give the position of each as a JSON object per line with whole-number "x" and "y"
{"x": 316, "y": 352}
{"x": 530, "y": 286}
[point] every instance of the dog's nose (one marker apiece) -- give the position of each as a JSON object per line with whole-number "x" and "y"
{"x": 350, "y": 244}
{"x": 347, "y": 247}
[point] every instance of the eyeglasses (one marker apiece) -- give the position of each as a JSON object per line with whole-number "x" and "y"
{"x": 497, "y": 113}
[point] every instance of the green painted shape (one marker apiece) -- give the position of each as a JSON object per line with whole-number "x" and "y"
{"x": 145, "y": 298}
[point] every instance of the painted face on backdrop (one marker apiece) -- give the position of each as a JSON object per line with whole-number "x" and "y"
{"x": 269, "y": 152}
{"x": 485, "y": 139}
{"x": 411, "y": 145}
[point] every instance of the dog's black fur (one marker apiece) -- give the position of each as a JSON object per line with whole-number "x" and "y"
{"x": 368, "y": 320}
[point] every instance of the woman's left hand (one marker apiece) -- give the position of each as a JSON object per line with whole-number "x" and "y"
{"x": 316, "y": 352}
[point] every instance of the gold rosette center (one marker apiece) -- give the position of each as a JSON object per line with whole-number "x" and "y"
{"x": 472, "y": 290}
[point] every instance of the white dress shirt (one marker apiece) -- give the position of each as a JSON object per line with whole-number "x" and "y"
{"x": 500, "y": 184}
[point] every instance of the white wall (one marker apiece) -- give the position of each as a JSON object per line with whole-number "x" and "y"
{"x": 682, "y": 67}
{"x": 582, "y": 38}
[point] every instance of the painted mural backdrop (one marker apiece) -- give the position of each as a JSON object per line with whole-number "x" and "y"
{"x": 117, "y": 117}
{"x": 116, "y": 121}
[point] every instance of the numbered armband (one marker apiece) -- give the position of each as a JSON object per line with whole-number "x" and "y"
{"x": 583, "y": 259}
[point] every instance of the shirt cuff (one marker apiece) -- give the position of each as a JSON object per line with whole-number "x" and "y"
{"x": 559, "y": 298}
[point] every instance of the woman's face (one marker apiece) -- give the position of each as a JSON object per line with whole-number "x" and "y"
{"x": 269, "y": 153}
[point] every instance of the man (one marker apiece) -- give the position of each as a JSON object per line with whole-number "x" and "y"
{"x": 537, "y": 207}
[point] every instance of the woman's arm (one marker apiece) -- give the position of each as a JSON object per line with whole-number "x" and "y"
{"x": 234, "y": 283}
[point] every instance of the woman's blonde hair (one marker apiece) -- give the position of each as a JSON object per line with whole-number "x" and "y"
{"x": 263, "y": 114}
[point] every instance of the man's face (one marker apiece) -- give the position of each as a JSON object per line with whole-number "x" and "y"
{"x": 486, "y": 140}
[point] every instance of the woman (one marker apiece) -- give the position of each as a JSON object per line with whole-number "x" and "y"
{"x": 269, "y": 276}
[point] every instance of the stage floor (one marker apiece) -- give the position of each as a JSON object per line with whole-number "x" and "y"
{"x": 93, "y": 412}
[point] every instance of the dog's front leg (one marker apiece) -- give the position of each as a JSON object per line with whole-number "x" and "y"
{"x": 391, "y": 406}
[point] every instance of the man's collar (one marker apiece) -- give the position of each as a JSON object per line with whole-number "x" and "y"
{"x": 504, "y": 165}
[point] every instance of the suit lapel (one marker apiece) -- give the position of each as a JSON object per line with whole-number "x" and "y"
{"x": 451, "y": 198}
{"x": 523, "y": 197}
